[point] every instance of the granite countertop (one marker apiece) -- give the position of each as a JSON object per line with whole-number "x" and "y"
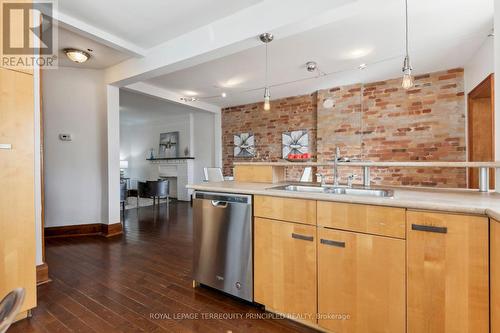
{"x": 447, "y": 200}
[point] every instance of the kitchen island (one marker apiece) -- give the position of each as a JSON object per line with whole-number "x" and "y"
{"x": 423, "y": 260}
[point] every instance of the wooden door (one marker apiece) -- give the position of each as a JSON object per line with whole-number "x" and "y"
{"x": 285, "y": 268}
{"x": 481, "y": 135}
{"x": 17, "y": 216}
{"x": 447, "y": 273}
{"x": 361, "y": 282}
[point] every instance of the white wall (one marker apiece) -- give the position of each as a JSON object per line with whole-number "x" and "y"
{"x": 480, "y": 65}
{"x": 74, "y": 102}
{"x": 196, "y": 132}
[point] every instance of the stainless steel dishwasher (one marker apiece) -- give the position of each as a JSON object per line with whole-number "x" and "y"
{"x": 222, "y": 259}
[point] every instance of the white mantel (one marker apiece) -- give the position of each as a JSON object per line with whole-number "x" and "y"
{"x": 181, "y": 169}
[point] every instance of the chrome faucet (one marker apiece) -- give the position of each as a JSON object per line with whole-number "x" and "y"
{"x": 323, "y": 180}
{"x": 335, "y": 167}
{"x": 350, "y": 179}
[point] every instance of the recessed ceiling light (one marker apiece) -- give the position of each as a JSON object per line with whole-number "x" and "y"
{"x": 362, "y": 66}
{"x": 357, "y": 53}
{"x": 190, "y": 93}
{"x": 223, "y": 95}
{"x": 76, "y": 55}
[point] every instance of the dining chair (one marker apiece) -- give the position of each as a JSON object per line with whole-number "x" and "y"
{"x": 142, "y": 191}
{"x": 123, "y": 194}
{"x": 306, "y": 175}
{"x": 159, "y": 189}
{"x": 213, "y": 175}
{"x": 9, "y": 308}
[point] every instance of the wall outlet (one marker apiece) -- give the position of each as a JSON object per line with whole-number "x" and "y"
{"x": 65, "y": 137}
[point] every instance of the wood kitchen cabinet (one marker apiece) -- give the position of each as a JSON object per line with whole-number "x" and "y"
{"x": 495, "y": 275}
{"x": 285, "y": 278}
{"x": 361, "y": 282}
{"x": 17, "y": 196}
{"x": 447, "y": 263}
{"x": 285, "y": 209}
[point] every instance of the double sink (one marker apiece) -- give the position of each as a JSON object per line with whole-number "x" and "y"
{"x": 370, "y": 192}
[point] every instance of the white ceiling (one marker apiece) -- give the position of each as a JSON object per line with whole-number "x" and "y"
{"x": 138, "y": 108}
{"x": 102, "y": 56}
{"x": 148, "y": 23}
{"x": 443, "y": 34}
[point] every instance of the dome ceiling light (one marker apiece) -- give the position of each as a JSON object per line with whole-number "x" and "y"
{"x": 76, "y": 55}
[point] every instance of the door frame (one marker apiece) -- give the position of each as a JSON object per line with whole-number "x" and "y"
{"x": 488, "y": 86}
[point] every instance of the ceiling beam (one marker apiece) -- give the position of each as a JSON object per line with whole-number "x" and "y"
{"x": 229, "y": 35}
{"x": 150, "y": 90}
{"x": 98, "y": 35}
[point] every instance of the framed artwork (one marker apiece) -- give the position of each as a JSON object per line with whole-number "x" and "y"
{"x": 295, "y": 142}
{"x": 244, "y": 145}
{"x": 169, "y": 145}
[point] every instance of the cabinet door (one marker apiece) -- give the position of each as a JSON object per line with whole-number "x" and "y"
{"x": 495, "y": 275}
{"x": 361, "y": 282}
{"x": 17, "y": 215}
{"x": 285, "y": 268}
{"x": 447, "y": 273}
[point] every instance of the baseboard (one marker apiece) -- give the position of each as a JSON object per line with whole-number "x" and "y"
{"x": 110, "y": 230}
{"x": 94, "y": 229}
{"x": 42, "y": 274}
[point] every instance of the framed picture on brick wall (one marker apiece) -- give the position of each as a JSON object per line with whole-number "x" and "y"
{"x": 244, "y": 145}
{"x": 295, "y": 142}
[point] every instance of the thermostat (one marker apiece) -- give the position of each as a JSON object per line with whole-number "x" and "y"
{"x": 65, "y": 137}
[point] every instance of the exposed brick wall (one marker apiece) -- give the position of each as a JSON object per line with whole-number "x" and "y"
{"x": 388, "y": 123}
{"x": 287, "y": 114}
{"x": 379, "y": 121}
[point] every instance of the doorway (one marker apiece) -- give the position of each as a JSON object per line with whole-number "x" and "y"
{"x": 481, "y": 135}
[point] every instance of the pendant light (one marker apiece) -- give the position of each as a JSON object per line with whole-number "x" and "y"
{"x": 408, "y": 80}
{"x": 267, "y": 38}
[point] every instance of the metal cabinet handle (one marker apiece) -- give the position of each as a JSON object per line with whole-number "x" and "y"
{"x": 6, "y": 146}
{"x": 219, "y": 204}
{"x": 332, "y": 242}
{"x": 429, "y": 228}
{"x": 302, "y": 237}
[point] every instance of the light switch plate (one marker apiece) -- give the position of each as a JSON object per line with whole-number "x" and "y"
{"x": 65, "y": 137}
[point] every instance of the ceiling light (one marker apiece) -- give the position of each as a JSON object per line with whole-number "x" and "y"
{"x": 266, "y": 38}
{"x": 223, "y": 95}
{"x": 311, "y": 66}
{"x": 190, "y": 93}
{"x": 76, "y": 55}
{"x": 189, "y": 99}
{"x": 362, "y": 66}
{"x": 328, "y": 103}
{"x": 267, "y": 99}
{"x": 357, "y": 53}
{"x": 408, "y": 80}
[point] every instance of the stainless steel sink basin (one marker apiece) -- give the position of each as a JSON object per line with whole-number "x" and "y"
{"x": 336, "y": 190}
{"x": 301, "y": 188}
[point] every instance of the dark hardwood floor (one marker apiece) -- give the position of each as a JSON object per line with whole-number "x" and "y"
{"x": 137, "y": 282}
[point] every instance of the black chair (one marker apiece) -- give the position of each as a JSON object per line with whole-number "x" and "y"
{"x": 9, "y": 308}
{"x": 123, "y": 194}
{"x": 159, "y": 189}
{"x": 142, "y": 191}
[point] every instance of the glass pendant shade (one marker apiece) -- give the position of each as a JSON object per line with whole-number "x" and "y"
{"x": 267, "y": 99}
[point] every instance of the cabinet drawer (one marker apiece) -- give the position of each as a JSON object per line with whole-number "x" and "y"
{"x": 285, "y": 209}
{"x": 377, "y": 220}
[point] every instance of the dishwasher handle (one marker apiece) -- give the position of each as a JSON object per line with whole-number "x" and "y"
{"x": 219, "y": 204}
